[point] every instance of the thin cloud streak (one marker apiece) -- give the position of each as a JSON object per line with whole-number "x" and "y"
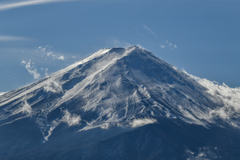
{"x": 12, "y": 38}
{"x": 46, "y": 51}
{"x": 7, "y": 6}
{"x": 149, "y": 30}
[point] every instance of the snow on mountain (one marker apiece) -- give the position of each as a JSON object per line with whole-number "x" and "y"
{"x": 227, "y": 98}
{"x": 121, "y": 88}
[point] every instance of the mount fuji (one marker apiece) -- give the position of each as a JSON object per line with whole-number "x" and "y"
{"x": 118, "y": 103}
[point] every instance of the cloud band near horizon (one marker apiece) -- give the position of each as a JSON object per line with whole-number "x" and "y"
{"x": 12, "y": 38}
{"x": 18, "y": 4}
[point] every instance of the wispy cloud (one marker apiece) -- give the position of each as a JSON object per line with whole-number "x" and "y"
{"x": 124, "y": 44}
{"x": 12, "y": 38}
{"x": 47, "y": 51}
{"x": 228, "y": 98}
{"x": 45, "y": 71}
{"x": 118, "y": 43}
{"x": 61, "y": 57}
{"x": 162, "y": 46}
{"x": 18, "y": 4}
{"x": 31, "y": 69}
{"x": 149, "y": 30}
{"x": 71, "y": 119}
{"x": 142, "y": 122}
{"x": 168, "y": 45}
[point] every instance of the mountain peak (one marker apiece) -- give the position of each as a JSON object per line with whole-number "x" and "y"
{"x": 120, "y": 50}
{"x": 115, "y": 85}
{"x": 111, "y": 87}
{"x": 112, "y": 91}
{"x": 114, "y": 53}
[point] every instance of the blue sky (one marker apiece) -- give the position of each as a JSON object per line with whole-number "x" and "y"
{"x": 39, "y": 37}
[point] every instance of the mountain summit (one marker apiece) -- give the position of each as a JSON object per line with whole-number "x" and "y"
{"x": 119, "y": 103}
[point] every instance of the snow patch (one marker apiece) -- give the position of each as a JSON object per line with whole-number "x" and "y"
{"x": 189, "y": 117}
{"x": 174, "y": 67}
{"x": 52, "y": 86}
{"x": 105, "y": 126}
{"x": 142, "y": 122}
{"x": 94, "y": 55}
{"x": 26, "y": 109}
{"x": 92, "y": 126}
{"x": 2, "y": 93}
{"x": 170, "y": 115}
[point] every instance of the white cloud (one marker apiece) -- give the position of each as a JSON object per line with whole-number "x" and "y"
{"x": 71, "y": 119}
{"x": 221, "y": 112}
{"x": 47, "y": 51}
{"x": 31, "y": 69}
{"x": 12, "y": 38}
{"x": 142, "y": 122}
{"x": 61, "y": 57}
{"x": 23, "y": 62}
{"x": 149, "y": 30}
{"x": 162, "y": 46}
{"x": 227, "y": 98}
{"x": 118, "y": 43}
{"x": 203, "y": 153}
{"x": 169, "y": 45}
{"x": 18, "y": 4}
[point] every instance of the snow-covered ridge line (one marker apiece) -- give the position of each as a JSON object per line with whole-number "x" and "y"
{"x": 41, "y": 84}
{"x": 92, "y": 56}
{"x": 121, "y": 86}
{"x": 87, "y": 59}
{"x": 225, "y": 95}
{"x": 96, "y": 55}
{"x": 52, "y": 77}
{"x": 73, "y": 92}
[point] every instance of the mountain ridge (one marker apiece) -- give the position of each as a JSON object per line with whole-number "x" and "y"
{"x": 56, "y": 82}
{"x": 114, "y": 92}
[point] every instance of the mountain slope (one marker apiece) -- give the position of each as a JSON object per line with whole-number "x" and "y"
{"x": 107, "y": 96}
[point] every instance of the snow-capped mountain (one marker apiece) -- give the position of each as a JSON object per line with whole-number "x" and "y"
{"x": 119, "y": 103}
